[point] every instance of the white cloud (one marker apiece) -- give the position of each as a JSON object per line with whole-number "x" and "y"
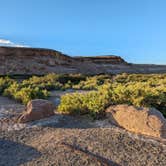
{"x": 19, "y": 45}
{"x": 4, "y": 42}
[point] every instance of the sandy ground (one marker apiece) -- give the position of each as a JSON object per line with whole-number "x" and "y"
{"x": 72, "y": 143}
{"x": 75, "y": 141}
{"x": 67, "y": 140}
{"x": 9, "y": 108}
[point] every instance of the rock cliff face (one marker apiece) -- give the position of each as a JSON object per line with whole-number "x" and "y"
{"x": 103, "y": 59}
{"x": 24, "y": 61}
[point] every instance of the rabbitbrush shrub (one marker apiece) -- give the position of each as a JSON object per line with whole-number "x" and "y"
{"x": 147, "y": 91}
{"x": 25, "y": 94}
{"x": 93, "y": 102}
{"x": 5, "y": 82}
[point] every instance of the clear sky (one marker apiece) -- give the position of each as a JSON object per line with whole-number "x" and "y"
{"x": 133, "y": 29}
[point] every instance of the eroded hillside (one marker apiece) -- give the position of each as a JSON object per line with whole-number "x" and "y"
{"x": 22, "y": 61}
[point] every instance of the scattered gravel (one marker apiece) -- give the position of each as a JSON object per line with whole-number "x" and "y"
{"x": 74, "y": 141}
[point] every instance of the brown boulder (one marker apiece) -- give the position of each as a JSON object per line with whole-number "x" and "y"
{"x": 148, "y": 121}
{"x": 37, "y": 109}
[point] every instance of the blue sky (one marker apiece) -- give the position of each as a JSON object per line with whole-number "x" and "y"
{"x": 133, "y": 29}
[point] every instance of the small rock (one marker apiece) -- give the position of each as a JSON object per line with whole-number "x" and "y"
{"x": 148, "y": 121}
{"x": 37, "y": 109}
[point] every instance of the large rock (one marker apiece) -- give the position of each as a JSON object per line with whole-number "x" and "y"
{"x": 37, "y": 109}
{"x": 148, "y": 121}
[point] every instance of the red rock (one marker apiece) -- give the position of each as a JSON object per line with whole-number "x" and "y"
{"x": 148, "y": 121}
{"x": 37, "y": 109}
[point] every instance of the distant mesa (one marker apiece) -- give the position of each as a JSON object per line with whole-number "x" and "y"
{"x": 39, "y": 61}
{"x": 106, "y": 59}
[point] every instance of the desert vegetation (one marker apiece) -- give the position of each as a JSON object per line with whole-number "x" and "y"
{"x": 133, "y": 89}
{"x": 147, "y": 90}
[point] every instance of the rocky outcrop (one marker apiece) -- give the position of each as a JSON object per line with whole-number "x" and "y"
{"x": 37, "y": 109}
{"x": 110, "y": 59}
{"x": 148, "y": 121}
{"x": 34, "y": 61}
{"x": 29, "y": 61}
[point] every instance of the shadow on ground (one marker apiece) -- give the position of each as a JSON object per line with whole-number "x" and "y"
{"x": 14, "y": 154}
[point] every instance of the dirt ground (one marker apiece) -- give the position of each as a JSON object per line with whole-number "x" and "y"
{"x": 63, "y": 140}
{"x": 77, "y": 141}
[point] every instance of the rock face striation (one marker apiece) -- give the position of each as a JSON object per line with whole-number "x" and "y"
{"x": 147, "y": 121}
{"x": 103, "y": 59}
{"x": 29, "y": 61}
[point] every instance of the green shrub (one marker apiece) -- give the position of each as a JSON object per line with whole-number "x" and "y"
{"x": 5, "y": 83}
{"x": 25, "y": 94}
{"x": 48, "y": 82}
{"x": 147, "y": 93}
{"x": 11, "y": 90}
{"x": 72, "y": 104}
{"x": 93, "y": 102}
{"x": 148, "y": 90}
{"x": 151, "y": 78}
{"x": 54, "y": 81}
{"x": 139, "y": 94}
{"x": 73, "y": 78}
{"x": 92, "y": 83}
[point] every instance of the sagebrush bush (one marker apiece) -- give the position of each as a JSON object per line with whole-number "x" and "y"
{"x": 139, "y": 94}
{"x": 5, "y": 82}
{"x": 25, "y": 94}
{"x": 48, "y": 82}
{"x": 147, "y": 90}
{"x": 54, "y": 81}
{"x": 93, "y": 102}
{"x": 93, "y": 82}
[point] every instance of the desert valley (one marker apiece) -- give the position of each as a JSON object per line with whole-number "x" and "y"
{"x": 56, "y": 109}
{"x": 82, "y": 83}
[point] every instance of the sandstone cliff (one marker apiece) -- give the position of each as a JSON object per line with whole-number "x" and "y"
{"x": 109, "y": 59}
{"x": 22, "y": 61}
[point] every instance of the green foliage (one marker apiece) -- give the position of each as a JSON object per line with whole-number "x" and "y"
{"x": 48, "y": 82}
{"x": 92, "y": 83}
{"x": 93, "y": 102}
{"x": 73, "y": 78}
{"x": 5, "y": 83}
{"x": 54, "y": 81}
{"x": 148, "y": 90}
{"x": 25, "y": 94}
{"x": 138, "y": 94}
{"x": 151, "y": 78}
{"x": 133, "y": 89}
{"x": 12, "y": 90}
{"x": 37, "y": 87}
